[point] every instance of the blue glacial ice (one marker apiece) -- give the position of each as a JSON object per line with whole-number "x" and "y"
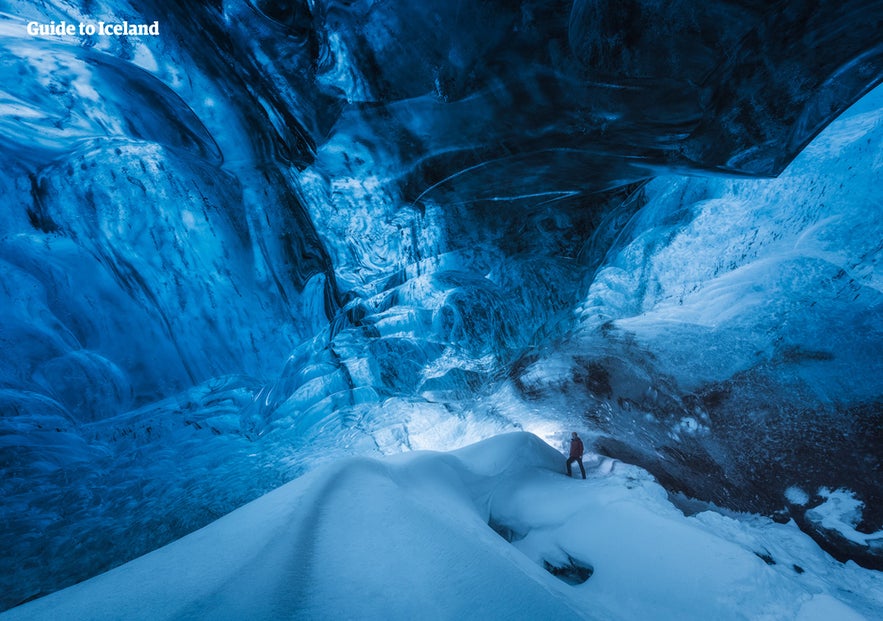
{"x": 280, "y": 233}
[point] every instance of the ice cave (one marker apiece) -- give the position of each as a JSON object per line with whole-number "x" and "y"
{"x": 301, "y": 301}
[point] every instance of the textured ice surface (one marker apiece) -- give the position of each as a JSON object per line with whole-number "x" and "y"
{"x": 280, "y": 233}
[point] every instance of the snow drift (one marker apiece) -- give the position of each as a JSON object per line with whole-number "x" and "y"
{"x": 485, "y": 532}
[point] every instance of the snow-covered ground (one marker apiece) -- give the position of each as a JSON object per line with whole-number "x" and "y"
{"x": 408, "y": 537}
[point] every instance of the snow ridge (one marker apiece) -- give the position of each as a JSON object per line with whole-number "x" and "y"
{"x": 408, "y": 536}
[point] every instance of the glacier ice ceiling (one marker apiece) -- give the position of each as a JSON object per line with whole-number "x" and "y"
{"x": 281, "y": 232}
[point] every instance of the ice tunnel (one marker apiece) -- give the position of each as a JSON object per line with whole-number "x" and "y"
{"x": 280, "y": 232}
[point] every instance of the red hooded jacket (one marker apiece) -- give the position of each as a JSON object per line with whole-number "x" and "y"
{"x": 576, "y": 447}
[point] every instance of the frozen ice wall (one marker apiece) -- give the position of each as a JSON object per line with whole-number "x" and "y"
{"x": 155, "y": 268}
{"x": 734, "y": 329}
{"x": 279, "y": 232}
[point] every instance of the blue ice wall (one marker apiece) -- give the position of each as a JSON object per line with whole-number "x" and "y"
{"x": 282, "y": 231}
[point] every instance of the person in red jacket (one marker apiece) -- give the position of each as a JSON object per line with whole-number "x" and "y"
{"x": 576, "y": 454}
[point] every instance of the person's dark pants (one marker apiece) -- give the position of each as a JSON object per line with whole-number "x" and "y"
{"x": 578, "y": 460}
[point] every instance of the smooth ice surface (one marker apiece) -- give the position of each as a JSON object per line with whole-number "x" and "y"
{"x": 408, "y": 536}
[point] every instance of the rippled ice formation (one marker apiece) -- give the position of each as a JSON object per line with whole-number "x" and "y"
{"x": 276, "y": 235}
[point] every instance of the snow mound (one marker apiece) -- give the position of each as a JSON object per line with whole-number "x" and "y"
{"x": 491, "y": 531}
{"x": 796, "y": 496}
